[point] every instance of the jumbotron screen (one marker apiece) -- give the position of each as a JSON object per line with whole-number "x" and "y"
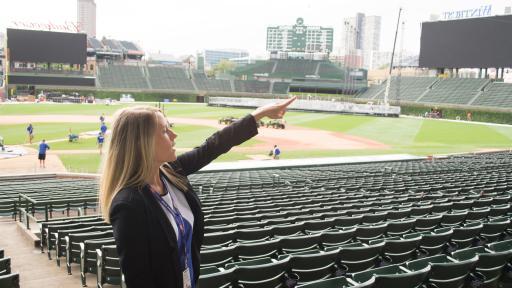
{"x": 46, "y": 46}
{"x": 469, "y": 43}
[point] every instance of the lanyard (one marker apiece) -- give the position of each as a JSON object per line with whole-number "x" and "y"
{"x": 180, "y": 222}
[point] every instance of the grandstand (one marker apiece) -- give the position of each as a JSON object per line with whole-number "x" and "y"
{"x": 496, "y": 94}
{"x": 121, "y": 76}
{"x": 252, "y": 86}
{"x": 164, "y": 77}
{"x": 454, "y": 91}
{"x": 338, "y": 223}
{"x": 406, "y": 88}
{"x": 290, "y": 69}
{"x": 213, "y": 85}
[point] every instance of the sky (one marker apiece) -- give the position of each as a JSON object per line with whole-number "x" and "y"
{"x": 186, "y": 27}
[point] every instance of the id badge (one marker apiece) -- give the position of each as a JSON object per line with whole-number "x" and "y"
{"x": 186, "y": 279}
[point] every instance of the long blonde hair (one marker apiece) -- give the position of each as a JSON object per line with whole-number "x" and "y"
{"x": 130, "y": 154}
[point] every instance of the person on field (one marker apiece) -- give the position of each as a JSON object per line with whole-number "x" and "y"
{"x": 100, "y": 139}
{"x": 43, "y": 147}
{"x": 276, "y": 152}
{"x": 146, "y": 195}
{"x": 103, "y": 128}
{"x": 30, "y": 132}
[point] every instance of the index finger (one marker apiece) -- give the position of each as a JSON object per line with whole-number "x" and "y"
{"x": 289, "y": 101}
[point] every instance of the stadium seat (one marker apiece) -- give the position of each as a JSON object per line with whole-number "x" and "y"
{"x": 218, "y": 257}
{"x": 219, "y": 239}
{"x": 312, "y": 267}
{"x": 317, "y": 226}
{"x": 108, "y": 267}
{"x": 445, "y": 272}
{"x": 10, "y": 281}
{"x": 88, "y": 256}
{"x": 405, "y": 280}
{"x": 221, "y": 279}
{"x": 367, "y": 233}
{"x": 253, "y": 235}
{"x": 428, "y": 223}
{"x": 400, "y": 227}
{"x": 402, "y": 250}
{"x": 336, "y": 282}
{"x": 248, "y": 251}
{"x": 355, "y": 259}
{"x": 467, "y": 235}
{"x": 296, "y": 244}
{"x": 268, "y": 275}
{"x": 5, "y": 266}
{"x": 288, "y": 229}
{"x": 490, "y": 263}
{"x": 336, "y": 237}
{"x": 73, "y": 241}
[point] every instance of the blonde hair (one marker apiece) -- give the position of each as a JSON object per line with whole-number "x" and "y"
{"x": 130, "y": 153}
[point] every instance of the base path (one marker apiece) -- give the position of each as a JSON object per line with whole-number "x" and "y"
{"x": 30, "y": 164}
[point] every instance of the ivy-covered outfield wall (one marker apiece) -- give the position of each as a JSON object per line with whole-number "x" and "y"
{"x": 478, "y": 114}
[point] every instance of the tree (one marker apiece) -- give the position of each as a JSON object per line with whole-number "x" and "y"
{"x": 224, "y": 66}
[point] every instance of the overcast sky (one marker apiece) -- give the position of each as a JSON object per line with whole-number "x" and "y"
{"x": 185, "y": 27}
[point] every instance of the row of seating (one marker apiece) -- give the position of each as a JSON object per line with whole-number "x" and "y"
{"x": 7, "y": 278}
{"x": 481, "y": 266}
{"x": 488, "y": 266}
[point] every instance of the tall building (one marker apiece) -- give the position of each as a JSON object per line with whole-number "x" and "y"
{"x": 299, "y": 38}
{"x": 86, "y": 17}
{"x": 213, "y": 57}
{"x": 361, "y": 36}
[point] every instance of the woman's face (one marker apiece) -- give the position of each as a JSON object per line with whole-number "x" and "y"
{"x": 164, "y": 141}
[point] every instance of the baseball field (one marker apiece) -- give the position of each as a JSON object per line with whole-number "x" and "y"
{"x": 306, "y": 134}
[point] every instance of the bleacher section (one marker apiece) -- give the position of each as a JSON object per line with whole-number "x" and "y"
{"x": 162, "y": 77}
{"x": 407, "y": 88}
{"x": 330, "y": 71}
{"x": 295, "y": 68}
{"x": 122, "y": 76}
{"x": 454, "y": 91}
{"x": 336, "y": 224}
{"x": 260, "y": 67}
{"x": 213, "y": 85}
{"x": 496, "y": 95}
{"x": 252, "y": 86}
{"x": 280, "y": 88}
{"x": 371, "y": 92}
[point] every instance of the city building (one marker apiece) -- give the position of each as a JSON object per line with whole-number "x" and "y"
{"x": 213, "y": 57}
{"x": 361, "y": 36}
{"x": 86, "y": 17}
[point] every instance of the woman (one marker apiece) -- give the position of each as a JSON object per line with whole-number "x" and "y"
{"x": 145, "y": 194}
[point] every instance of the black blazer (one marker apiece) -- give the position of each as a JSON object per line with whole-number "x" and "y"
{"x": 145, "y": 239}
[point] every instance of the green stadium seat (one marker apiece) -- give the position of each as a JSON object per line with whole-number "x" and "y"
{"x": 10, "y": 281}
{"x": 218, "y": 257}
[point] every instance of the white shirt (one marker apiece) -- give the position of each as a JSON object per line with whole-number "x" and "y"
{"x": 181, "y": 204}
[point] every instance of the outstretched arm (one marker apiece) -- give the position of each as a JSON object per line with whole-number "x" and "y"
{"x": 235, "y": 134}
